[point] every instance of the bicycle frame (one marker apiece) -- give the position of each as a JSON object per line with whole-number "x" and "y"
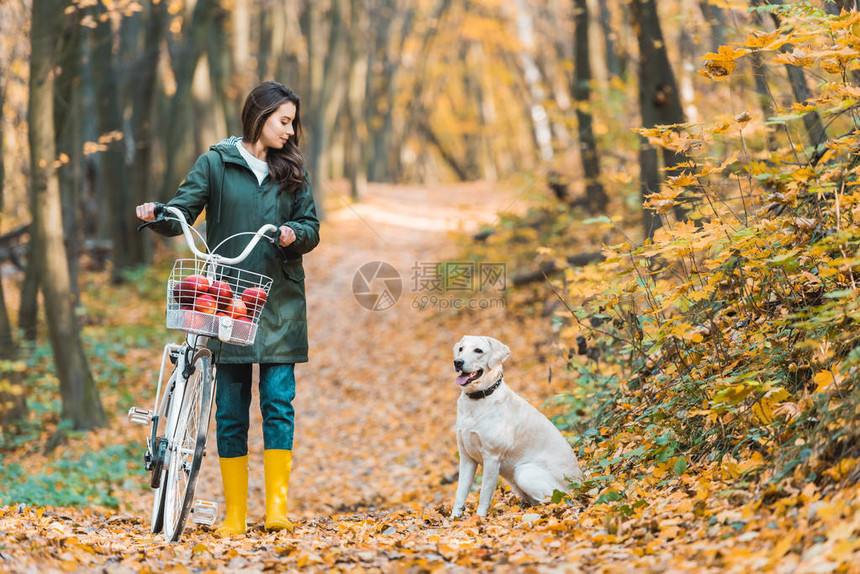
{"x": 193, "y": 343}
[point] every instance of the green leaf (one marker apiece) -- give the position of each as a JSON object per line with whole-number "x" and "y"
{"x": 601, "y": 219}
{"x": 839, "y": 294}
{"x": 680, "y": 466}
{"x": 609, "y": 496}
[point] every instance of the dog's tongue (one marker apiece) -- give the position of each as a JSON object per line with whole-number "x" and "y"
{"x": 463, "y": 378}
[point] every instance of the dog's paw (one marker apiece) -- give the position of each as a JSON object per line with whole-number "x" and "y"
{"x": 456, "y": 513}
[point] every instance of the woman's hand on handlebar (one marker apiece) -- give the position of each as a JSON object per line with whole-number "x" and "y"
{"x": 287, "y": 236}
{"x": 145, "y": 211}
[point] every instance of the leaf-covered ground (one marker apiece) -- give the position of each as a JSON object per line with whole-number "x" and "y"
{"x": 375, "y": 455}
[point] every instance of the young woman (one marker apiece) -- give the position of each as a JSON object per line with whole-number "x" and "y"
{"x": 245, "y": 183}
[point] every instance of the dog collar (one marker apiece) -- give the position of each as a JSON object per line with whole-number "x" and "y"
{"x": 486, "y": 392}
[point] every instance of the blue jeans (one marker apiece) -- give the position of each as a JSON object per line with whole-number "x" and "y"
{"x": 233, "y": 402}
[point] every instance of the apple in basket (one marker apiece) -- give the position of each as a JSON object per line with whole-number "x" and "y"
{"x": 236, "y": 308}
{"x": 206, "y": 304}
{"x": 193, "y": 321}
{"x": 189, "y": 288}
{"x": 222, "y": 293}
{"x": 254, "y": 298}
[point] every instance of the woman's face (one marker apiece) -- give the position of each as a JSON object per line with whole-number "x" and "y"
{"x": 279, "y": 127}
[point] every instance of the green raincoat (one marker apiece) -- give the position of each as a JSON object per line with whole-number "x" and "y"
{"x": 222, "y": 182}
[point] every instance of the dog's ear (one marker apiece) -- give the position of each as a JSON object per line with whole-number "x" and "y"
{"x": 498, "y": 352}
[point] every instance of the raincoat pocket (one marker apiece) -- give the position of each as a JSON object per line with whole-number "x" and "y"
{"x": 294, "y": 270}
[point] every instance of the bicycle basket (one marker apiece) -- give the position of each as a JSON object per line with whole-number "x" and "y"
{"x": 226, "y": 304}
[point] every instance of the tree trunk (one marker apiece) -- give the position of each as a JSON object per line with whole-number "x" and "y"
{"x": 67, "y": 116}
{"x": 328, "y": 94}
{"x": 689, "y": 61}
{"x": 356, "y": 158}
{"x": 548, "y": 64}
{"x": 266, "y": 23}
{"x": 469, "y": 112}
{"x": 659, "y": 101}
{"x": 802, "y": 93}
{"x": 391, "y": 49}
{"x": 486, "y": 114}
{"x": 613, "y": 62}
{"x": 144, "y": 78}
{"x": 13, "y": 403}
{"x": 80, "y": 398}
{"x": 716, "y": 19}
{"x": 213, "y": 93}
{"x": 835, "y": 7}
{"x": 242, "y": 75}
{"x": 316, "y": 73}
{"x": 8, "y": 349}
{"x": 649, "y": 168}
{"x": 594, "y": 192}
{"x": 179, "y": 113}
{"x": 797, "y": 79}
{"x": 291, "y": 59}
{"x": 762, "y": 90}
{"x": 539, "y": 117}
{"x": 127, "y": 248}
{"x": 13, "y": 394}
{"x": 447, "y": 156}
{"x": 28, "y": 312}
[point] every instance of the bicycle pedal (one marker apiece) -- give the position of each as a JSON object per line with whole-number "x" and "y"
{"x": 140, "y": 416}
{"x": 205, "y": 512}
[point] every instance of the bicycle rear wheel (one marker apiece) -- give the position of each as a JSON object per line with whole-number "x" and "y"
{"x": 187, "y": 446}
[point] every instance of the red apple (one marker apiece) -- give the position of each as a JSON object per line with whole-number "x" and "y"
{"x": 190, "y": 288}
{"x": 194, "y": 321}
{"x": 254, "y": 298}
{"x": 244, "y": 318}
{"x": 206, "y": 304}
{"x": 222, "y": 293}
{"x": 236, "y": 308}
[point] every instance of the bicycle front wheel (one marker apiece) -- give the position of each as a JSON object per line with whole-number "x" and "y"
{"x": 187, "y": 446}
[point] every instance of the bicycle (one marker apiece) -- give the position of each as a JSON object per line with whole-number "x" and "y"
{"x": 180, "y": 420}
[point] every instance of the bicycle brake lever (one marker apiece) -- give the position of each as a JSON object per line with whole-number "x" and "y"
{"x": 148, "y": 223}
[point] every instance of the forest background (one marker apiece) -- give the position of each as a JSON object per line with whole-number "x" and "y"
{"x": 690, "y": 172}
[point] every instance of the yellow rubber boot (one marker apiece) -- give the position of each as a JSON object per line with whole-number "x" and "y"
{"x": 277, "y": 464}
{"x": 234, "y": 475}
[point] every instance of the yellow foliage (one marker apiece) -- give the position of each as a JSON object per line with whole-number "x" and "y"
{"x": 733, "y": 468}
{"x": 842, "y": 469}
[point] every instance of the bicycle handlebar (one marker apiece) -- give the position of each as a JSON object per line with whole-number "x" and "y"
{"x": 160, "y": 208}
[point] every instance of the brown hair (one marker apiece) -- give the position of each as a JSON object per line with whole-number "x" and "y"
{"x": 286, "y": 165}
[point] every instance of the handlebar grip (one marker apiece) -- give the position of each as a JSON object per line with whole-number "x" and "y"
{"x": 159, "y": 210}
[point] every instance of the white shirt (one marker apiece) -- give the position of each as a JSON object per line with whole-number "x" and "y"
{"x": 258, "y": 166}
